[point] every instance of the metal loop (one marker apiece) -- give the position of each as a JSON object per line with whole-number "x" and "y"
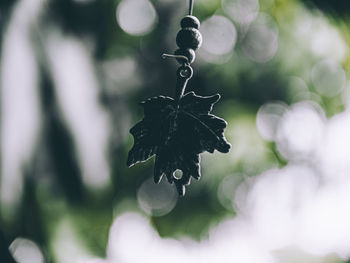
{"x": 185, "y": 72}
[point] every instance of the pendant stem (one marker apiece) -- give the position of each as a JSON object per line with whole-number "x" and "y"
{"x": 184, "y": 73}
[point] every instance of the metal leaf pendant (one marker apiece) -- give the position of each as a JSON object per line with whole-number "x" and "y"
{"x": 177, "y": 131}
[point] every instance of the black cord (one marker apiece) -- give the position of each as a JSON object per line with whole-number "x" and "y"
{"x": 191, "y": 8}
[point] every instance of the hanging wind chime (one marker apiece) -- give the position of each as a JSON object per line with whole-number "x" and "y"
{"x": 178, "y": 129}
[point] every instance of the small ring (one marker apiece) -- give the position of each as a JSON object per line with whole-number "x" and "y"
{"x": 185, "y": 72}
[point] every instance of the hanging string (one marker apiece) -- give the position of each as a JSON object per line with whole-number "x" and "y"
{"x": 191, "y": 7}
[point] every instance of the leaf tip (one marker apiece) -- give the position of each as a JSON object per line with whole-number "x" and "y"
{"x": 197, "y": 175}
{"x": 157, "y": 176}
{"x": 217, "y": 96}
{"x": 131, "y": 159}
{"x": 214, "y": 98}
{"x": 180, "y": 188}
{"x": 130, "y": 163}
{"x": 225, "y": 147}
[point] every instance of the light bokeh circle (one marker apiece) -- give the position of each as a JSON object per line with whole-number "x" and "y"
{"x": 260, "y": 43}
{"x": 268, "y": 118}
{"x": 136, "y": 17}
{"x": 219, "y": 35}
{"x": 157, "y": 199}
{"x": 241, "y": 11}
{"x": 328, "y": 77}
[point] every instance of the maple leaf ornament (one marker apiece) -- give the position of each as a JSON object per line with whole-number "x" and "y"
{"x": 177, "y": 132}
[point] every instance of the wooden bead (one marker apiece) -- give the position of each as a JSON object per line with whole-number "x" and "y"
{"x": 189, "y": 53}
{"x": 189, "y": 38}
{"x": 190, "y": 21}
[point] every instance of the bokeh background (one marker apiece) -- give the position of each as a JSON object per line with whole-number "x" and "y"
{"x": 72, "y": 74}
